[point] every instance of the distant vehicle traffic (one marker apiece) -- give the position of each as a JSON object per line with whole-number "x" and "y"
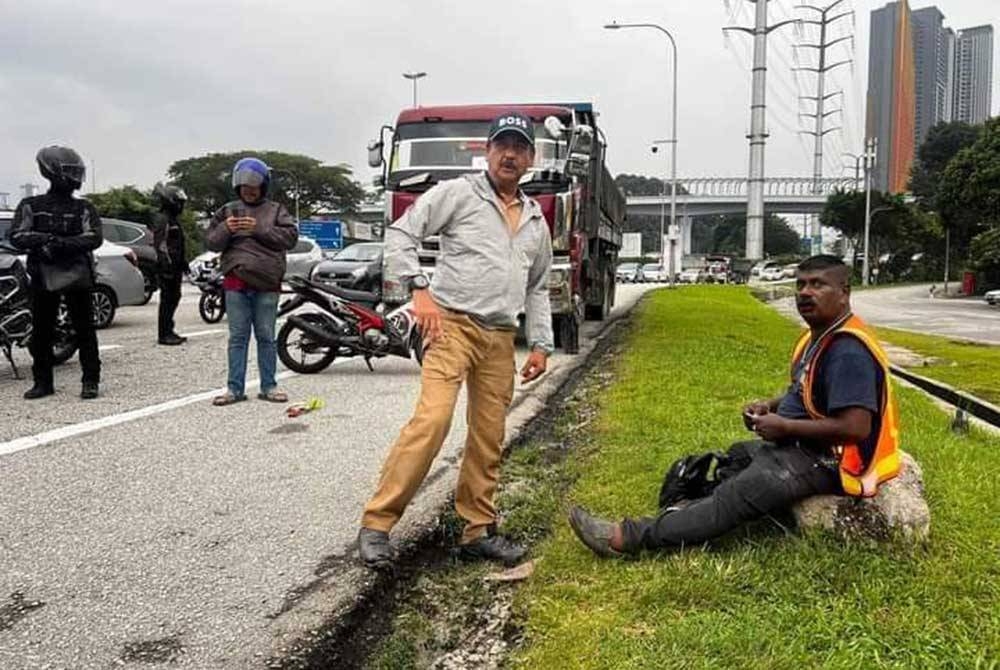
{"x": 628, "y": 272}
{"x": 993, "y": 297}
{"x": 772, "y": 273}
{"x": 693, "y": 276}
{"x": 358, "y": 266}
{"x": 653, "y": 272}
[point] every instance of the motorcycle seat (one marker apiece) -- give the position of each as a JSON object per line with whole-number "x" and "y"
{"x": 347, "y": 294}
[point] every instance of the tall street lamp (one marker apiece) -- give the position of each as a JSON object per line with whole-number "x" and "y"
{"x": 673, "y": 145}
{"x": 414, "y": 76}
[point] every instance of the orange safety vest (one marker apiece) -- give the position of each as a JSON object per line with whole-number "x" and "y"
{"x": 857, "y": 476}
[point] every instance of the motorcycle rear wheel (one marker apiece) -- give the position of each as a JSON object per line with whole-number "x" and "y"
{"x": 292, "y": 340}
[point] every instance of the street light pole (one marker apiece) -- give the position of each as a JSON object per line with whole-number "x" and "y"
{"x": 414, "y": 76}
{"x": 673, "y": 148}
{"x": 870, "y": 147}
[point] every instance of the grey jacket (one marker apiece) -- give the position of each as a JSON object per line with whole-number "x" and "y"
{"x": 261, "y": 252}
{"x": 482, "y": 269}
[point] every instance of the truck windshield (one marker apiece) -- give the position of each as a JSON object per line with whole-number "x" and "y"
{"x": 458, "y": 146}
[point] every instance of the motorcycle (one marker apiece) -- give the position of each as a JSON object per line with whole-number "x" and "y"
{"x": 15, "y": 314}
{"x": 208, "y": 279}
{"x": 346, "y": 326}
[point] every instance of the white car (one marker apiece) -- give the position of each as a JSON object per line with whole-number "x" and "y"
{"x": 693, "y": 276}
{"x": 300, "y": 260}
{"x": 772, "y": 273}
{"x": 993, "y": 297}
{"x": 652, "y": 272}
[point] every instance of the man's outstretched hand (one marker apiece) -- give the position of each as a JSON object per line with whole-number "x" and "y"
{"x": 771, "y": 427}
{"x": 534, "y": 366}
{"x": 427, "y": 315}
{"x": 754, "y": 409}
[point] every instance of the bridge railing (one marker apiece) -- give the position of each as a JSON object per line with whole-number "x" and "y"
{"x": 773, "y": 186}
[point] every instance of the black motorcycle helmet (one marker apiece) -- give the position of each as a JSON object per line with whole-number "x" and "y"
{"x": 62, "y": 166}
{"x": 170, "y": 197}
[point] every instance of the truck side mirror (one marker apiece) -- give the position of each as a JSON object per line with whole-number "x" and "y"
{"x": 555, "y": 128}
{"x": 375, "y": 158}
{"x": 582, "y": 141}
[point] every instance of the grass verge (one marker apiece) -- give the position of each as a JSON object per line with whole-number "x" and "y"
{"x": 759, "y": 598}
{"x": 970, "y": 366}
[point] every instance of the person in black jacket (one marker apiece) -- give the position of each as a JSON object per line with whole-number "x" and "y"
{"x": 168, "y": 240}
{"x": 60, "y": 232}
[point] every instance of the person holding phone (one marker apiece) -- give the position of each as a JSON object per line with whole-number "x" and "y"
{"x": 834, "y": 431}
{"x": 496, "y": 253}
{"x": 254, "y": 234}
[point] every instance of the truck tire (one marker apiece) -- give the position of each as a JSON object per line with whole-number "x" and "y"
{"x": 601, "y": 311}
{"x": 567, "y": 333}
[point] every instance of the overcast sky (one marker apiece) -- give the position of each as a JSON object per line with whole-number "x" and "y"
{"x": 135, "y": 85}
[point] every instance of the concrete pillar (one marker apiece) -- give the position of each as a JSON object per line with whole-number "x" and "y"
{"x": 685, "y": 245}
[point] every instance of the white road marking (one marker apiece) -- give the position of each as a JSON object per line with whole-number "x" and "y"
{"x": 109, "y": 347}
{"x": 202, "y": 333}
{"x": 84, "y": 427}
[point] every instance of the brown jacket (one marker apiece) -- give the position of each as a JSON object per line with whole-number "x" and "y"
{"x": 257, "y": 257}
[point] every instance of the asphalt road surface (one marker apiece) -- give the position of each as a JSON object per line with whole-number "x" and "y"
{"x": 911, "y": 308}
{"x": 148, "y": 526}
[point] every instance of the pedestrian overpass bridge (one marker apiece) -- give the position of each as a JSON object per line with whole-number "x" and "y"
{"x": 706, "y": 196}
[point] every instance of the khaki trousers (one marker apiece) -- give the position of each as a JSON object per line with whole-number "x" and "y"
{"x": 484, "y": 359}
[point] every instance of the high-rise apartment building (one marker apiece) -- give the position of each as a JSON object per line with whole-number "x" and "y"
{"x": 891, "y": 108}
{"x": 934, "y": 61}
{"x": 973, "y": 81}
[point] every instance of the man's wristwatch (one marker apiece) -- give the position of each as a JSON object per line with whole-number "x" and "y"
{"x": 418, "y": 282}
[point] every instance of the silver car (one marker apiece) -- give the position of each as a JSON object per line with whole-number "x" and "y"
{"x": 300, "y": 259}
{"x": 119, "y": 282}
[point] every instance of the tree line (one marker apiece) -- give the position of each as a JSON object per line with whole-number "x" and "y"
{"x": 955, "y": 204}
{"x": 206, "y": 180}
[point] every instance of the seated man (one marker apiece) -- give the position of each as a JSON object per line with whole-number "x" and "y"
{"x": 834, "y": 431}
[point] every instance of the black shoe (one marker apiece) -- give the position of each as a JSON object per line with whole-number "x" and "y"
{"x": 38, "y": 391}
{"x": 493, "y": 547}
{"x": 89, "y": 391}
{"x": 172, "y": 340}
{"x": 374, "y": 548}
{"x": 594, "y": 532}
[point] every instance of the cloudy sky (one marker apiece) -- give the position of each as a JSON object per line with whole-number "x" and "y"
{"x": 135, "y": 85}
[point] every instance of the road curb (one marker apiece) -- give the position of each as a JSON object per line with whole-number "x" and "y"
{"x": 308, "y": 630}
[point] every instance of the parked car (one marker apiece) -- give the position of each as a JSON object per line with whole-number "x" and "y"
{"x": 627, "y": 272}
{"x": 993, "y": 297}
{"x": 359, "y": 265}
{"x": 303, "y": 258}
{"x": 119, "y": 281}
{"x": 300, "y": 260}
{"x": 693, "y": 276}
{"x": 653, "y": 272}
{"x": 138, "y": 238}
{"x": 788, "y": 272}
{"x": 758, "y": 269}
{"x": 772, "y": 273}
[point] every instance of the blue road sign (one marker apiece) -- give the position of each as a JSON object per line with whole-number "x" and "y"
{"x": 328, "y": 234}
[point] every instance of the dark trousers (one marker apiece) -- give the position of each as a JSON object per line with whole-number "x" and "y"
{"x": 170, "y": 297}
{"x": 44, "y": 311}
{"x": 769, "y": 478}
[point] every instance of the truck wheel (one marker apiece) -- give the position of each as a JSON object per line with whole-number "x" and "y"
{"x": 601, "y": 311}
{"x": 568, "y": 333}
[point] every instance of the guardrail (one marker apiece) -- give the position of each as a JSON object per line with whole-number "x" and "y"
{"x": 961, "y": 400}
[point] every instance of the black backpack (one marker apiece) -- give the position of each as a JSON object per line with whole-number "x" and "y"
{"x": 693, "y": 477}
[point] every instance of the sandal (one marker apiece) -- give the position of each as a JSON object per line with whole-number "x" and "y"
{"x": 273, "y": 395}
{"x": 227, "y": 398}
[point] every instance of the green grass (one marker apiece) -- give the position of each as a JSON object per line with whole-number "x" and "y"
{"x": 969, "y": 366}
{"x": 759, "y": 598}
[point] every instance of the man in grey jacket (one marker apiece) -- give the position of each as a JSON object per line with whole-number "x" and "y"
{"x": 496, "y": 253}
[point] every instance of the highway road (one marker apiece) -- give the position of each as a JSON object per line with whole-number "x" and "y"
{"x": 148, "y": 526}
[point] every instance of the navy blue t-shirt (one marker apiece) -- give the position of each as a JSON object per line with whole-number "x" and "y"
{"x": 848, "y": 376}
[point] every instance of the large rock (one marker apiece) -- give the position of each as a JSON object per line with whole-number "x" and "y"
{"x": 899, "y": 510}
